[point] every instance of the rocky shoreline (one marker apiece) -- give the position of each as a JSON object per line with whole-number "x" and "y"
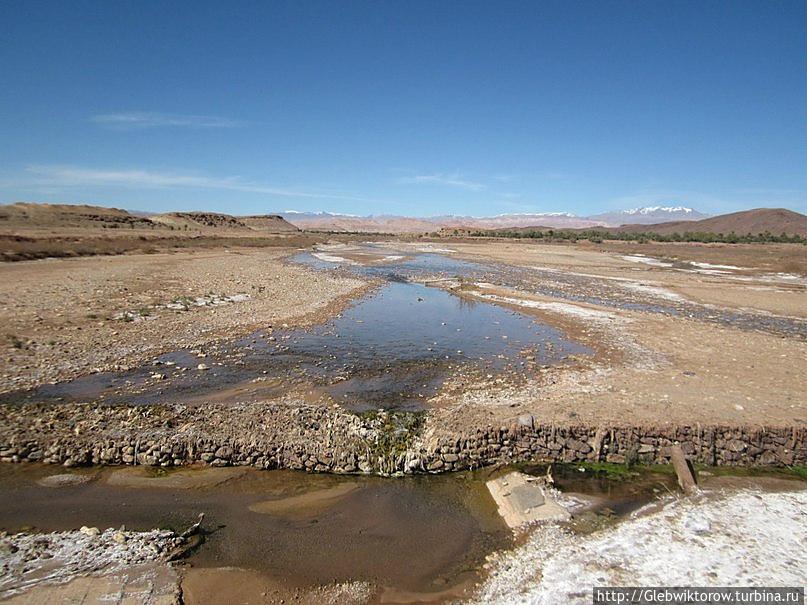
{"x": 329, "y": 439}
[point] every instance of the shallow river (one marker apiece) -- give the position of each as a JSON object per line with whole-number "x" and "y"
{"x": 417, "y": 534}
{"x": 391, "y": 349}
{"x": 411, "y": 534}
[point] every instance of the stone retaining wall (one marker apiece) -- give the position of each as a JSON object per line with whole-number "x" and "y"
{"x": 711, "y": 445}
{"x": 321, "y": 439}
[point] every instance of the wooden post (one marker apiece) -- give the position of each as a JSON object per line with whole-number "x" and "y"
{"x": 683, "y": 468}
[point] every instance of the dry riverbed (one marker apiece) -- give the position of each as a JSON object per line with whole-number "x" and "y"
{"x": 63, "y": 318}
{"x": 618, "y": 343}
{"x": 767, "y": 278}
{"x": 659, "y": 342}
{"x": 663, "y": 356}
{"x": 651, "y": 369}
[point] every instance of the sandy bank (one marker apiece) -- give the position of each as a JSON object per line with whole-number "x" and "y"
{"x": 66, "y": 317}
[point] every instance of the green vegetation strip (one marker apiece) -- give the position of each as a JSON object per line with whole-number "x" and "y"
{"x": 598, "y": 236}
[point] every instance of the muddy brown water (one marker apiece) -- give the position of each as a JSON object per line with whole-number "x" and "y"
{"x": 421, "y": 536}
{"x": 414, "y": 534}
{"x": 417, "y": 534}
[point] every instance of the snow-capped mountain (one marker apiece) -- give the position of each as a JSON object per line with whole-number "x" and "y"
{"x": 556, "y": 220}
{"x": 659, "y": 209}
{"x": 398, "y": 224}
{"x": 649, "y": 215}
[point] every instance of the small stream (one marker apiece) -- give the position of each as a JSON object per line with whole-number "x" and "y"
{"x": 418, "y": 534}
{"x": 414, "y": 534}
{"x": 392, "y": 349}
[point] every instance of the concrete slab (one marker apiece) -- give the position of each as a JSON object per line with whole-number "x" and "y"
{"x": 522, "y": 500}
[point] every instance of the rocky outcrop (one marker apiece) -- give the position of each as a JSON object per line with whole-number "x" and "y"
{"x": 329, "y": 439}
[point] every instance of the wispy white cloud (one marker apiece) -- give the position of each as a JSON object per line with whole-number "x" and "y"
{"x": 449, "y": 180}
{"x": 75, "y": 176}
{"x": 151, "y": 119}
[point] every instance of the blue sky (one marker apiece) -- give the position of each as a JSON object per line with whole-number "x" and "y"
{"x": 416, "y": 108}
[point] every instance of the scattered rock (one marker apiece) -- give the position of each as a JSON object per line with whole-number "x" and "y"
{"x": 90, "y": 531}
{"x": 64, "y": 480}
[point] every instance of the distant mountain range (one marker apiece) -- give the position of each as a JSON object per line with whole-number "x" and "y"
{"x": 65, "y": 218}
{"x": 327, "y": 221}
{"x": 649, "y": 215}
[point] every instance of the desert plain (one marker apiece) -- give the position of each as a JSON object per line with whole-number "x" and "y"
{"x": 306, "y": 390}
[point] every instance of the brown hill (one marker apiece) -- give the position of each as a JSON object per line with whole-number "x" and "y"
{"x": 59, "y": 217}
{"x": 753, "y": 222}
{"x": 69, "y": 219}
{"x": 216, "y": 222}
{"x": 199, "y": 221}
{"x": 269, "y": 223}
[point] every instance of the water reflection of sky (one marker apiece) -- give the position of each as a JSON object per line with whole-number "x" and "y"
{"x": 392, "y": 349}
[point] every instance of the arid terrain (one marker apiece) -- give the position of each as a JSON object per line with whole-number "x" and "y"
{"x": 405, "y": 357}
{"x": 403, "y": 303}
{"x": 662, "y": 368}
{"x": 662, "y": 220}
{"x": 69, "y": 317}
{"x": 31, "y": 231}
{"x": 64, "y": 318}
